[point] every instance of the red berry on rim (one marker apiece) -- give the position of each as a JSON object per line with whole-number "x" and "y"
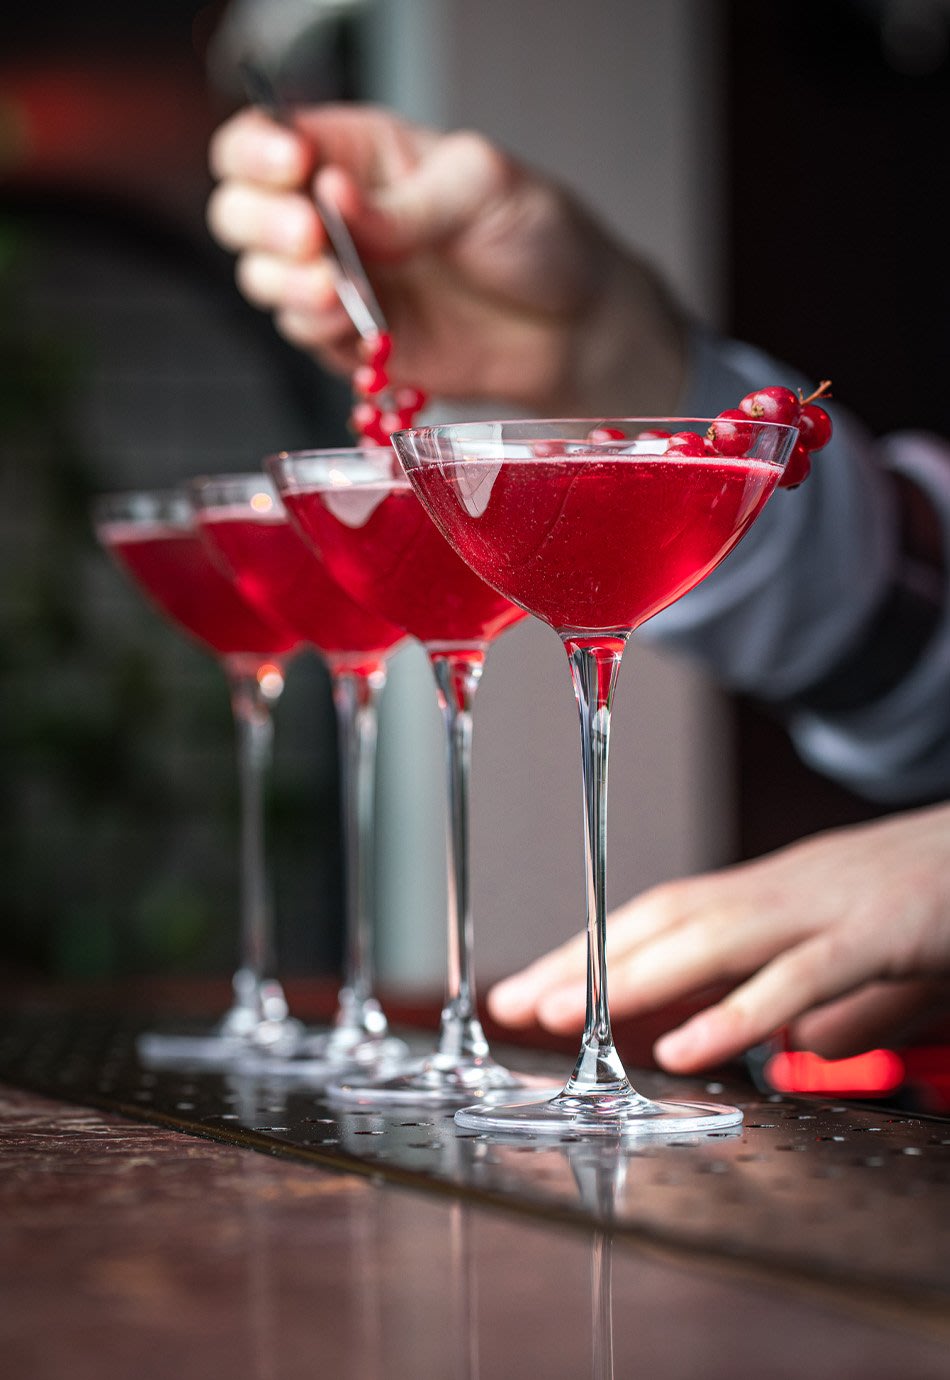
{"x": 773, "y": 404}
{"x": 731, "y": 433}
{"x": 606, "y": 433}
{"x": 814, "y": 427}
{"x": 797, "y": 469}
{"x": 686, "y": 443}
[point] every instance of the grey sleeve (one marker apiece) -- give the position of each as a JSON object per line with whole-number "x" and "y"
{"x": 804, "y": 585}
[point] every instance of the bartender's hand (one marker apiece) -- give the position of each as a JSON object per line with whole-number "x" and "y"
{"x": 845, "y": 937}
{"x": 495, "y": 283}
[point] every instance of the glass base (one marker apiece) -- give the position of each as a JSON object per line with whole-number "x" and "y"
{"x": 340, "y": 1048}
{"x": 588, "y": 1116}
{"x": 221, "y": 1049}
{"x": 440, "y": 1079}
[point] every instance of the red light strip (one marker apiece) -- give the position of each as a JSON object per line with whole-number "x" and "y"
{"x": 799, "y": 1071}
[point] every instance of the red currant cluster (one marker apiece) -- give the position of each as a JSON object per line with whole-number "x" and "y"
{"x": 379, "y": 409}
{"x": 729, "y": 433}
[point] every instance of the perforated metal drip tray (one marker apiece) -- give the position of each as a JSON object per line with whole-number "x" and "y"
{"x": 825, "y": 1189}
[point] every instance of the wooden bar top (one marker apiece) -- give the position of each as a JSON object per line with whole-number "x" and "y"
{"x": 131, "y": 1250}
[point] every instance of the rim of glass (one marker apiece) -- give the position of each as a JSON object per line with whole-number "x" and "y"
{"x": 290, "y": 468}
{"x": 589, "y": 423}
{"x": 170, "y": 506}
{"x": 235, "y": 489}
{"x": 769, "y": 443}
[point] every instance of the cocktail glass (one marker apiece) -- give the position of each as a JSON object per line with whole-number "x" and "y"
{"x": 154, "y": 537}
{"x": 246, "y": 527}
{"x": 593, "y": 536}
{"x": 360, "y": 512}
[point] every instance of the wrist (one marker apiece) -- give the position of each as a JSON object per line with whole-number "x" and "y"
{"x": 630, "y": 351}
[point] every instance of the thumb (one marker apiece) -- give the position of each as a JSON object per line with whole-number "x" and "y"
{"x": 447, "y": 190}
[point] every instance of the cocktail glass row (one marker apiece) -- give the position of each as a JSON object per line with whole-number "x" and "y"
{"x": 591, "y": 529}
{"x": 220, "y": 560}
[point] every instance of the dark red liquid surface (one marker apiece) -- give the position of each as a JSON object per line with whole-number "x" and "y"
{"x": 277, "y": 572}
{"x": 381, "y": 545}
{"x": 173, "y": 566}
{"x": 595, "y": 545}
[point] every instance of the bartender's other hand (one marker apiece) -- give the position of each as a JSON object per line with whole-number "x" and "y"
{"x": 844, "y": 937}
{"x": 496, "y": 284}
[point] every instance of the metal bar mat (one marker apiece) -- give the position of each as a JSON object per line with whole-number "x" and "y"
{"x": 819, "y": 1188}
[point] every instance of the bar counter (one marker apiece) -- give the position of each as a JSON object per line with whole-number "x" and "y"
{"x": 205, "y": 1225}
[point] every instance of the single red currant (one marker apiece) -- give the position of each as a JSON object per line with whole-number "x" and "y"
{"x": 366, "y": 420}
{"x": 797, "y": 469}
{"x": 606, "y": 433}
{"x": 410, "y": 399}
{"x": 773, "y": 404}
{"x": 654, "y": 435}
{"x": 376, "y": 349}
{"x": 390, "y": 422}
{"x": 368, "y": 380}
{"x": 731, "y": 433}
{"x": 814, "y": 427}
{"x": 686, "y": 443}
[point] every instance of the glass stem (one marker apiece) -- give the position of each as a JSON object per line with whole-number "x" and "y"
{"x": 355, "y": 698}
{"x": 257, "y": 995}
{"x": 595, "y": 664}
{"x": 457, "y": 675}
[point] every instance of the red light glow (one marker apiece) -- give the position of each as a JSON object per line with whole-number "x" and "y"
{"x": 799, "y": 1071}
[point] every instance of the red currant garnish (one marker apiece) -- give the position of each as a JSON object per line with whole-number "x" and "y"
{"x": 390, "y": 422}
{"x": 368, "y": 380}
{"x": 606, "y": 433}
{"x": 653, "y": 435}
{"x": 798, "y": 468}
{"x": 773, "y": 404}
{"x": 814, "y": 427}
{"x": 366, "y": 420}
{"x": 409, "y": 402}
{"x": 380, "y": 410}
{"x": 731, "y": 433}
{"x": 686, "y": 443}
{"x": 376, "y": 349}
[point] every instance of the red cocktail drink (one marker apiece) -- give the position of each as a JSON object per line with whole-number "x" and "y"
{"x": 595, "y": 544}
{"x": 594, "y": 528}
{"x": 154, "y": 538}
{"x": 380, "y": 543}
{"x": 374, "y": 536}
{"x": 246, "y": 528}
{"x": 282, "y": 577}
{"x": 173, "y": 567}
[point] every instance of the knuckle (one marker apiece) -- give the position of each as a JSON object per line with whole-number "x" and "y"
{"x": 477, "y": 150}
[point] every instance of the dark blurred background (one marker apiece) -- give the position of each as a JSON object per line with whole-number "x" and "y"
{"x": 128, "y": 359}
{"x": 838, "y": 121}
